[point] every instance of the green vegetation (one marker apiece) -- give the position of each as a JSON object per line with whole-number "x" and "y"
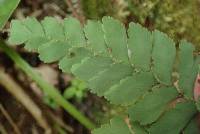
{"x": 77, "y": 90}
{"x": 179, "y": 19}
{"x": 151, "y": 78}
{"x": 51, "y": 91}
{"x": 130, "y": 68}
{"x": 7, "y": 7}
{"x": 96, "y": 9}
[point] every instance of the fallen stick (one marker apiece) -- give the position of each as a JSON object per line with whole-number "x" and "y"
{"x": 13, "y": 88}
{"x": 10, "y": 120}
{"x": 2, "y": 129}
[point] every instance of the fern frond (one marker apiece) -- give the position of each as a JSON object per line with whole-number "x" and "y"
{"x": 132, "y": 68}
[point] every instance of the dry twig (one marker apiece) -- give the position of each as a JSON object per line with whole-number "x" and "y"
{"x": 74, "y": 11}
{"x": 12, "y": 87}
{"x": 2, "y": 129}
{"x": 9, "y": 118}
{"x": 61, "y": 123}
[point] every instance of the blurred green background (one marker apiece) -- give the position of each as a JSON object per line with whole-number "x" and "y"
{"x": 180, "y": 19}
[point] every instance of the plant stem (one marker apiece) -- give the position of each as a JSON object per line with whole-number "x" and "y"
{"x": 46, "y": 87}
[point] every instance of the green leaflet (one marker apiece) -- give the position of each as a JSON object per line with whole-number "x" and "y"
{"x": 53, "y": 29}
{"x": 34, "y": 27}
{"x": 6, "y": 9}
{"x": 53, "y": 51}
{"x": 117, "y": 43}
{"x": 163, "y": 56}
{"x": 32, "y": 33}
{"x": 94, "y": 64}
{"x": 37, "y": 36}
{"x": 133, "y": 87}
{"x": 74, "y": 32}
{"x": 73, "y": 57}
{"x": 95, "y": 35}
{"x": 19, "y": 33}
{"x": 35, "y": 42}
{"x": 117, "y": 126}
{"x": 175, "y": 120}
{"x": 111, "y": 76}
{"x": 152, "y": 105}
{"x": 140, "y": 45}
{"x": 187, "y": 68}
